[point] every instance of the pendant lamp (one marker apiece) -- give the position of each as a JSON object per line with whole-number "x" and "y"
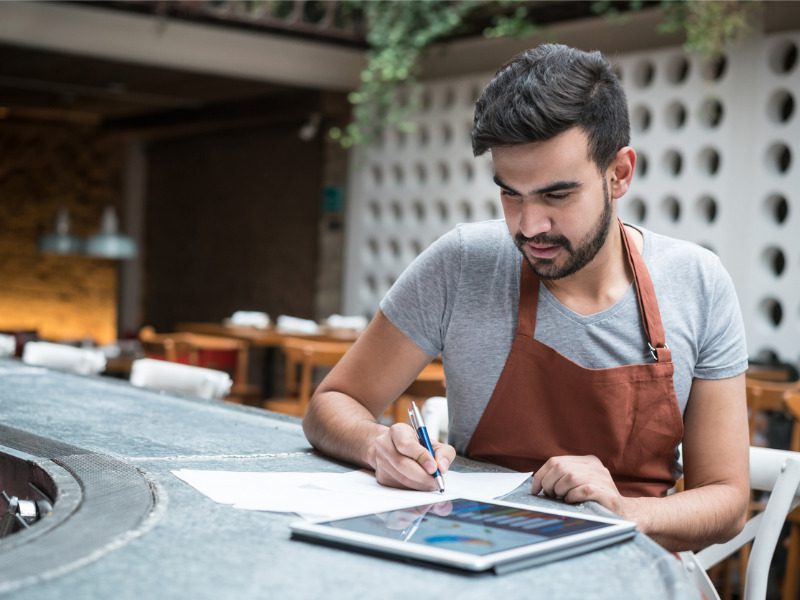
{"x": 60, "y": 241}
{"x": 108, "y": 242}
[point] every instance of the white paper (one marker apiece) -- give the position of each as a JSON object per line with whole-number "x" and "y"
{"x": 336, "y": 495}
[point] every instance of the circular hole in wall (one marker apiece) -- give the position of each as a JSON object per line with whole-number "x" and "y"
{"x": 444, "y": 172}
{"x": 449, "y": 97}
{"x": 425, "y": 100}
{"x": 714, "y": 69}
{"x": 673, "y": 162}
{"x": 671, "y": 207}
{"x": 707, "y": 209}
{"x": 465, "y": 210}
{"x": 375, "y": 211}
{"x": 709, "y": 161}
{"x": 398, "y": 173}
{"x": 771, "y": 312}
{"x": 416, "y": 247}
{"x": 779, "y": 158}
{"x": 677, "y": 69}
{"x": 377, "y": 175}
{"x": 423, "y": 135}
{"x": 397, "y": 211}
{"x": 636, "y": 210}
{"x": 447, "y": 134}
{"x": 783, "y": 57}
{"x": 641, "y": 164}
{"x": 372, "y": 283}
{"x": 421, "y": 172}
{"x": 675, "y": 116}
{"x": 418, "y": 207}
{"x": 777, "y": 208}
{"x": 641, "y": 118}
{"x": 389, "y": 279}
{"x": 442, "y": 210}
{"x": 781, "y": 106}
{"x": 400, "y": 138}
{"x": 492, "y": 210}
{"x": 394, "y": 247}
{"x": 644, "y": 73}
{"x": 774, "y": 260}
{"x": 373, "y": 249}
{"x": 711, "y": 112}
{"x": 468, "y": 170}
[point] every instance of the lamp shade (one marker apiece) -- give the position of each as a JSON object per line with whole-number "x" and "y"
{"x": 60, "y": 241}
{"x": 109, "y": 243}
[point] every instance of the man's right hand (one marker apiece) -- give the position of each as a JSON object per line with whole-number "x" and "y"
{"x": 402, "y": 462}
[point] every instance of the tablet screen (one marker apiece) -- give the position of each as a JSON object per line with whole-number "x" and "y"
{"x": 468, "y": 526}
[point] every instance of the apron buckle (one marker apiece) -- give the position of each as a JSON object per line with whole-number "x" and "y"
{"x": 653, "y": 352}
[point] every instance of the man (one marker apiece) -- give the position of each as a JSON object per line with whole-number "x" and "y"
{"x": 575, "y": 347}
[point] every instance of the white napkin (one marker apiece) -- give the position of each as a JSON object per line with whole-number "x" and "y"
{"x": 8, "y": 345}
{"x": 287, "y": 324}
{"x": 176, "y": 377}
{"x": 83, "y": 361}
{"x": 250, "y": 318}
{"x": 355, "y": 322}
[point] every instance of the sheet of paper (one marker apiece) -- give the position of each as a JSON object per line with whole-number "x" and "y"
{"x": 335, "y": 494}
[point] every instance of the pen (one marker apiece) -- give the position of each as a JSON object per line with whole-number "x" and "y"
{"x": 422, "y": 433}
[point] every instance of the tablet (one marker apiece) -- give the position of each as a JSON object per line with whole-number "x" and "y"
{"x": 474, "y": 535}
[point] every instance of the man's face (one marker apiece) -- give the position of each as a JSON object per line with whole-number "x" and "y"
{"x": 556, "y": 204}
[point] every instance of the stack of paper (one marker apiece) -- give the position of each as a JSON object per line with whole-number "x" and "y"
{"x": 334, "y": 495}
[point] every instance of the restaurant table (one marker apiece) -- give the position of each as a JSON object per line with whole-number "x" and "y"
{"x": 128, "y": 528}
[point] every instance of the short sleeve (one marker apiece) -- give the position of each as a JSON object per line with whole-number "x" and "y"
{"x": 420, "y": 302}
{"x": 723, "y": 348}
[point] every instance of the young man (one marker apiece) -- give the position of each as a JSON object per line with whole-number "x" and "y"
{"x": 575, "y": 347}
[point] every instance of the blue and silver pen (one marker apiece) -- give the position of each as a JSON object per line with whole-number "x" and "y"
{"x": 422, "y": 433}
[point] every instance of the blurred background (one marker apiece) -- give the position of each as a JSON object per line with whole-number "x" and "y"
{"x": 202, "y": 129}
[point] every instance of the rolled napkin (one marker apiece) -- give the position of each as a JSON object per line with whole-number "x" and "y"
{"x": 249, "y": 318}
{"x": 354, "y": 322}
{"x": 84, "y": 361}
{"x": 287, "y": 324}
{"x": 177, "y": 377}
{"x": 8, "y": 345}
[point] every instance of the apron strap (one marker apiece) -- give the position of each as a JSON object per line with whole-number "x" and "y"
{"x": 528, "y": 300}
{"x": 646, "y": 295}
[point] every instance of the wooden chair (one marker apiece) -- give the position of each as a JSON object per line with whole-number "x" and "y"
{"x": 790, "y": 579}
{"x": 303, "y": 356}
{"x": 210, "y": 351}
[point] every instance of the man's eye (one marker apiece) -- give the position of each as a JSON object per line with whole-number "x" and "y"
{"x": 508, "y": 193}
{"x": 553, "y": 196}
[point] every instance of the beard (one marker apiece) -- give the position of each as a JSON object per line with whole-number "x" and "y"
{"x": 578, "y": 257}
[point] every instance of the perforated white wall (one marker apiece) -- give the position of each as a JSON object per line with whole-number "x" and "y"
{"x": 718, "y": 147}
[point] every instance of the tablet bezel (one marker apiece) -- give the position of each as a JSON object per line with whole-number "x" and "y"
{"x": 540, "y": 552}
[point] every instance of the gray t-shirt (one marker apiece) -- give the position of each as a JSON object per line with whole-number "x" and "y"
{"x": 460, "y": 298}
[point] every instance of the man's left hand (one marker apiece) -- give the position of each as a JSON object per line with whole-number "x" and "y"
{"x": 577, "y": 479}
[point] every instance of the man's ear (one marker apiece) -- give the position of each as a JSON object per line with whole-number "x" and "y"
{"x": 620, "y": 171}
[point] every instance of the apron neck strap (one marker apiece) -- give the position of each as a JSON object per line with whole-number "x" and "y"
{"x": 645, "y": 295}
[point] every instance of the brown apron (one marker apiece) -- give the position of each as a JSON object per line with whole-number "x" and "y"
{"x": 545, "y": 405}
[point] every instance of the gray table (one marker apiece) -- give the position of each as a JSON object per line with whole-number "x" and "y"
{"x": 190, "y": 547}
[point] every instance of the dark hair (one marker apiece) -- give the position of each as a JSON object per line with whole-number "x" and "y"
{"x": 547, "y": 90}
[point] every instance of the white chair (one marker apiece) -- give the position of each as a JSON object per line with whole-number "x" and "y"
{"x": 175, "y": 377}
{"x": 8, "y": 345}
{"x": 434, "y": 413}
{"x": 774, "y": 471}
{"x": 83, "y": 361}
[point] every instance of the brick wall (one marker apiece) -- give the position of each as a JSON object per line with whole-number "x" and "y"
{"x": 43, "y": 168}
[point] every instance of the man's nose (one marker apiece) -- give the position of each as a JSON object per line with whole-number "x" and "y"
{"x": 534, "y": 219}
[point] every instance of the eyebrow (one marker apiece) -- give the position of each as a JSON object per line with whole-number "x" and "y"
{"x": 556, "y": 186}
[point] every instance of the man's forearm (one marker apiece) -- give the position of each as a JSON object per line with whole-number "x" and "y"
{"x": 690, "y": 520}
{"x": 341, "y": 427}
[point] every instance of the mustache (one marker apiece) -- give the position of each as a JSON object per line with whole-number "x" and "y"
{"x": 554, "y": 240}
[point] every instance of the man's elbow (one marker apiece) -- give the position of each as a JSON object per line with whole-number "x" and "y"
{"x": 738, "y": 516}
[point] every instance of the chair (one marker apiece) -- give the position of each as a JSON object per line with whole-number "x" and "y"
{"x": 176, "y": 377}
{"x": 220, "y": 353}
{"x": 774, "y": 471}
{"x": 790, "y": 589}
{"x": 305, "y": 355}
